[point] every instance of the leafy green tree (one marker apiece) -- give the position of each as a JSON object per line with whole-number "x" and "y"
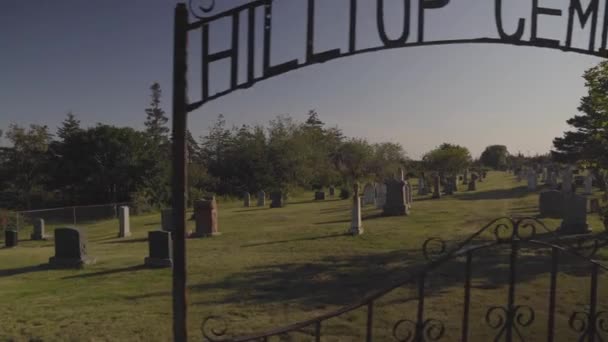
{"x": 447, "y": 159}
{"x": 495, "y": 156}
{"x": 352, "y": 159}
{"x": 26, "y": 159}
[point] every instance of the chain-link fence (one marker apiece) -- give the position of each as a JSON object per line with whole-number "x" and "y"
{"x": 69, "y": 216}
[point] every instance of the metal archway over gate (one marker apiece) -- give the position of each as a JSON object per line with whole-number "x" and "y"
{"x": 586, "y": 14}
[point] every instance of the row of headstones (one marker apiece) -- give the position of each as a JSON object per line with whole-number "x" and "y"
{"x": 277, "y": 199}
{"x": 550, "y": 177}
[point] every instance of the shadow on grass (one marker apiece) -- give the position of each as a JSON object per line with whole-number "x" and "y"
{"x": 252, "y": 209}
{"x": 346, "y": 279}
{"x": 499, "y": 194}
{"x": 294, "y": 240}
{"x": 363, "y": 218}
{"x": 107, "y": 272}
{"x": 125, "y": 241}
{"x": 25, "y": 269}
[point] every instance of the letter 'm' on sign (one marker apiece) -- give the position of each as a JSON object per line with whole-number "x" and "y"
{"x": 405, "y": 33}
{"x": 423, "y": 5}
{"x": 536, "y": 11}
{"x": 583, "y": 17}
{"x": 521, "y": 23}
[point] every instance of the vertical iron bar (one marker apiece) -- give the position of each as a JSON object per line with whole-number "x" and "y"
{"x": 420, "y": 313}
{"x": 74, "y": 215}
{"x": 511, "y": 299}
{"x": 551, "y": 323}
{"x": 593, "y": 303}
{"x": 370, "y": 320}
{"x": 467, "y": 298}
{"x": 318, "y": 331}
{"x": 179, "y": 172}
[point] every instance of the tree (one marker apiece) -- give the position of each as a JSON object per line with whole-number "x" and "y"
{"x": 588, "y": 141}
{"x": 156, "y": 120}
{"x": 352, "y": 159}
{"x": 27, "y": 158}
{"x": 495, "y": 156}
{"x": 447, "y": 159}
{"x": 69, "y": 127}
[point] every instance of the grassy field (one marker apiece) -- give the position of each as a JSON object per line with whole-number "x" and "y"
{"x": 272, "y": 267}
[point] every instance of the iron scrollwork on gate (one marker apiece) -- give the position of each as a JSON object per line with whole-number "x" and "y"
{"x": 507, "y": 321}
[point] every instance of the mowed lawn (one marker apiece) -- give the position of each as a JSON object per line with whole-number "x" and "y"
{"x": 272, "y": 267}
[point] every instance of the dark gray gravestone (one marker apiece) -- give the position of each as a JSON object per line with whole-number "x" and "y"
{"x": 11, "y": 238}
{"x": 159, "y": 246}
{"x": 166, "y": 220}
{"x": 276, "y": 198}
{"x": 396, "y": 202}
{"x": 319, "y": 195}
{"x": 246, "y": 199}
{"x": 70, "y": 249}
{"x": 38, "y": 233}
{"x": 575, "y": 215}
{"x": 472, "y": 185}
{"x": 332, "y": 191}
{"x": 551, "y": 203}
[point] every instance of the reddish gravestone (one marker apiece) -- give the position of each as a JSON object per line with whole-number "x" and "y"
{"x": 205, "y": 215}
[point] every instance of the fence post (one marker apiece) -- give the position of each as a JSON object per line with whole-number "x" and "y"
{"x": 74, "y": 215}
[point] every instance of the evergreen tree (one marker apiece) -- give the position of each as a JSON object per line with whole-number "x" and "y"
{"x": 156, "y": 120}
{"x": 69, "y": 127}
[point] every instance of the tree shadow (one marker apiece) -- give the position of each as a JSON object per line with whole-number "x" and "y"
{"x": 25, "y": 269}
{"x": 300, "y": 239}
{"x": 346, "y": 279}
{"x": 107, "y": 272}
{"x": 493, "y": 194}
{"x": 125, "y": 241}
{"x": 252, "y": 209}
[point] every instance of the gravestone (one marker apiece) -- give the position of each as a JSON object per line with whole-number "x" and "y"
{"x": 38, "y": 233}
{"x": 276, "y": 199}
{"x": 396, "y": 201}
{"x": 166, "y": 220}
{"x": 436, "y": 187}
{"x": 448, "y": 189}
{"x": 594, "y": 205}
{"x": 465, "y": 177}
{"x": 356, "y": 224}
{"x": 421, "y": 187}
{"x": 124, "y": 222}
{"x": 332, "y": 191}
{"x": 11, "y": 238}
{"x": 261, "y": 198}
{"x": 532, "y": 177}
{"x": 588, "y": 184}
{"x": 159, "y": 249}
{"x": 409, "y": 195}
{"x": 246, "y": 199}
{"x": 369, "y": 194}
{"x": 380, "y": 196}
{"x": 205, "y": 216}
{"x": 319, "y": 195}
{"x": 567, "y": 181}
{"x": 551, "y": 204}
{"x": 472, "y": 184}
{"x": 454, "y": 183}
{"x": 70, "y": 249}
{"x": 575, "y": 215}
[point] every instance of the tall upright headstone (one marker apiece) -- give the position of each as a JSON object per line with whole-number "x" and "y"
{"x": 465, "y": 177}
{"x": 246, "y": 199}
{"x": 356, "y": 224}
{"x": 205, "y": 215}
{"x": 409, "y": 194}
{"x": 124, "y": 222}
{"x": 532, "y": 177}
{"x": 38, "y": 231}
{"x": 567, "y": 181}
{"x": 436, "y": 186}
{"x": 70, "y": 249}
{"x": 421, "y": 186}
{"x": 276, "y": 199}
{"x": 369, "y": 194}
{"x": 380, "y": 196}
{"x": 159, "y": 247}
{"x": 575, "y": 215}
{"x": 551, "y": 204}
{"x": 396, "y": 197}
{"x": 319, "y": 195}
{"x": 589, "y": 184}
{"x": 332, "y": 191}
{"x": 261, "y": 198}
{"x": 166, "y": 220}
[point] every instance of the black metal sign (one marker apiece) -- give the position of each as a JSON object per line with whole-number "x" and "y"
{"x": 507, "y": 32}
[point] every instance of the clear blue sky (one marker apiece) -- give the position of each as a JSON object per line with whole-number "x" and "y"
{"x": 98, "y": 58}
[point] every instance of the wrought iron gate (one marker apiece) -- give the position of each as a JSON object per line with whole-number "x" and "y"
{"x": 511, "y": 236}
